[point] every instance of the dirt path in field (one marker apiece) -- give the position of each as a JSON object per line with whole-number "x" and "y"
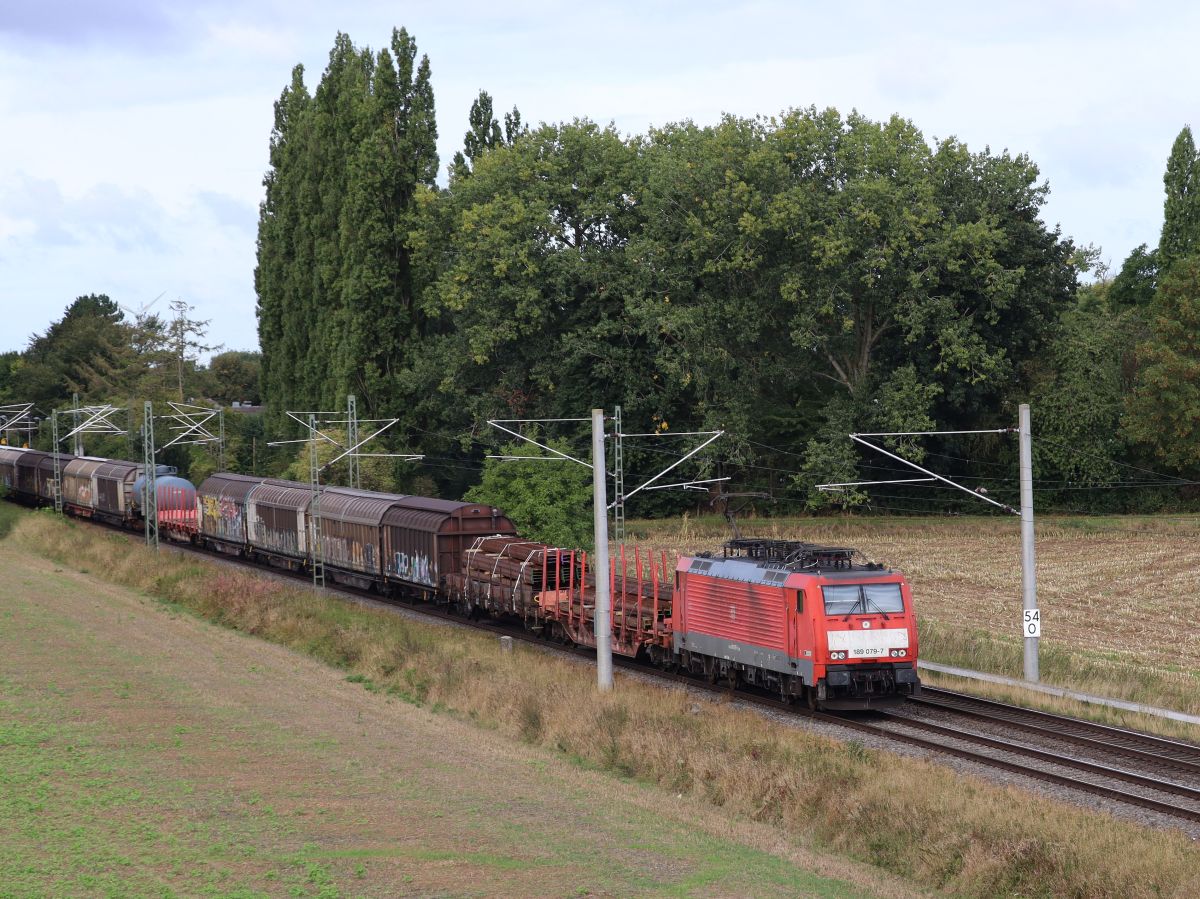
{"x": 145, "y": 752}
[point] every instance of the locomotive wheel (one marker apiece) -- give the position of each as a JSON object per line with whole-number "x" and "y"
{"x": 810, "y": 698}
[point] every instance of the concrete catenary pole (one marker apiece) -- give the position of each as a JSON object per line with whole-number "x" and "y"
{"x": 1031, "y": 624}
{"x": 603, "y": 621}
{"x": 75, "y": 424}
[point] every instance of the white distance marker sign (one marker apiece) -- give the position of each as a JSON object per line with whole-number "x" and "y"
{"x": 1033, "y": 623}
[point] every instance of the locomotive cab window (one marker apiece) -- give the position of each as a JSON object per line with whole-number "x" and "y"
{"x": 862, "y": 599}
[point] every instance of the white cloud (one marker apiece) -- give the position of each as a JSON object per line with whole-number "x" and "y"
{"x": 135, "y": 132}
{"x": 242, "y": 37}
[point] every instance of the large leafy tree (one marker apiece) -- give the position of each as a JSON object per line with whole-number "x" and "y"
{"x": 102, "y": 355}
{"x": 818, "y": 274}
{"x": 233, "y": 376}
{"x": 1134, "y": 285}
{"x": 787, "y": 279}
{"x": 1164, "y": 410}
{"x": 547, "y": 500}
{"x": 1079, "y": 389}
{"x": 86, "y": 352}
{"x": 533, "y": 277}
{"x": 8, "y": 369}
{"x": 711, "y": 328}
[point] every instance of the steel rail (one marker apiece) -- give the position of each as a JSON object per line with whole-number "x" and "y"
{"x": 1165, "y": 808}
{"x": 1141, "y": 780}
{"x": 1147, "y": 747}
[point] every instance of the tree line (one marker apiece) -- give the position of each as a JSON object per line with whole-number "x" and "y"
{"x": 790, "y": 279}
{"x": 103, "y": 353}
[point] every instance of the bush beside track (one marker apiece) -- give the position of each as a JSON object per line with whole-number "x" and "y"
{"x": 913, "y": 818}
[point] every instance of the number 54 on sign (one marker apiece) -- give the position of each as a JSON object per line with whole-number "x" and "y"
{"x": 1033, "y": 623}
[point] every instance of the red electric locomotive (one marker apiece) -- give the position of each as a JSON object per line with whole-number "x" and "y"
{"x": 806, "y": 621}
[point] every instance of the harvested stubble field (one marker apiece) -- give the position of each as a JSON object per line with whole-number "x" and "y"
{"x": 769, "y": 802}
{"x": 1120, "y": 597}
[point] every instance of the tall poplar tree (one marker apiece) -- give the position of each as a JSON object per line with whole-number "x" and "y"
{"x": 1163, "y": 412}
{"x": 284, "y": 248}
{"x": 483, "y": 133}
{"x": 1181, "y": 208}
{"x": 395, "y": 157}
{"x": 335, "y": 277}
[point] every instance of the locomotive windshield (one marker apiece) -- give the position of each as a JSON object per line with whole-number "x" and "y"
{"x": 862, "y": 599}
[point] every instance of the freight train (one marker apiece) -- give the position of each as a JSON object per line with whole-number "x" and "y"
{"x": 815, "y": 624}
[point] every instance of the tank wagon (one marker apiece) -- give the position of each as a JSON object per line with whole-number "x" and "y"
{"x": 175, "y": 498}
{"x": 808, "y": 622}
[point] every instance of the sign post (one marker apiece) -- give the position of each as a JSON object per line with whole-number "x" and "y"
{"x": 1032, "y": 619}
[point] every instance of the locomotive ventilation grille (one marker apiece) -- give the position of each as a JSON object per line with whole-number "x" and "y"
{"x": 795, "y": 555}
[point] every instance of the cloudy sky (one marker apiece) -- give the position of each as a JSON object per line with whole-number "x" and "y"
{"x": 133, "y": 133}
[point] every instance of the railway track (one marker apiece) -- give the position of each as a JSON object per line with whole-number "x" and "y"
{"x": 1161, "y": 762}
{"x": 1141, "y": 747}
{"x": 1174, "y": 799}
{"x": 1162, "y": 794}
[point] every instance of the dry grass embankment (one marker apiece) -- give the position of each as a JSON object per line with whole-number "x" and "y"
{"x": 1119, "y": 596}
{"x": 146, "y": 753}
{"x": 916, "y": 819}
